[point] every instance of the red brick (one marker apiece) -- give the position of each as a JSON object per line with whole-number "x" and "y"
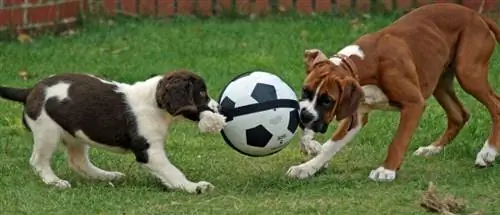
{"x": 243, "y": 6}
{"x": 69, "y": 9}
{"x": 304, "y": 6}
{"x": 388, "y": 5}
{"x": 147, "y": 7}
{"x": 363, "y": 5}
{"x": 343, "y": 5}
{"x": 129, "y": 7}
{"x": 404, "y": 4}
{"x": 42, "y": 14}
{"x": 4, "y": 17}
{"x": 8, "y": 3}
{"x": 166, "y": 8}
{"x": 85, "y": 6}
{"x": 223, "y": 6}
{"x": 261, "y": 6}
{"x": 109, "y": 7}
{"x": 204, "y": 7}
{"x": 285, "y": 5}
{"x": 423, "y": 2}
{"x": 185, "y": 7}
{"x": 323, "y": 6}
{"x": 489, "y": 5}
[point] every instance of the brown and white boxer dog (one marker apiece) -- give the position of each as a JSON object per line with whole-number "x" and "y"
{"x": 398, "y": 68}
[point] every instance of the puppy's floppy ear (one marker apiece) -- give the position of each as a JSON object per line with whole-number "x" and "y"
{"x": 350, "y": 97}
{"x": 175, "y": 95}
{"x": 312, "y": 57}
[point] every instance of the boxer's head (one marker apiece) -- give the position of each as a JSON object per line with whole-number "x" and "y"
{"x": 328, "y": 93}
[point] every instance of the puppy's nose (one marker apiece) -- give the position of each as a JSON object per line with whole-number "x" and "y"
{"x": 306, "y": 116}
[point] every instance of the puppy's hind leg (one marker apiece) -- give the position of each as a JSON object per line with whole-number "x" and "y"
{"x": 78, "y": 160}
{"x": 46, "y": 137}
{"x": 154, "y": 159}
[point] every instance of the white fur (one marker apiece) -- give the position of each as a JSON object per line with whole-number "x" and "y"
{"x": 308, "y": 145}
{"x": 348, "y": 51}
{"x": 329, "y": 149}
{"x": 59, "y": 90}
{"x": 382, "y": 174}
{"x": 211, "y": 122}
{"x": 152, "y": 125}
{"x": 428, "y": 150}
{"x": 309, "y": 105}
{"x": 213, "y": 105}
{"x": 486, "y": 156}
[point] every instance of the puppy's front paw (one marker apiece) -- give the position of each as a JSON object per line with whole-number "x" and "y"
{"x": 211, "y": 122}
{"x": 199, "y": 187}
{"x": 310, "y": 147}
{"x": 382, "y": 174}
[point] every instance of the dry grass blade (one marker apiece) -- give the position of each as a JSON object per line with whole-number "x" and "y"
{"x": 447, "y": 206}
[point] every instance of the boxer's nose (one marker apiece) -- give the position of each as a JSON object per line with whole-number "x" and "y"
{"x": 306, "y": 117}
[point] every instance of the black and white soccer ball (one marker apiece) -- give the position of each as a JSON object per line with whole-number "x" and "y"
{"x": 262, "y": 113}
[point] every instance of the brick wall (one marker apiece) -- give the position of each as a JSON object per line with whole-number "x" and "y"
{"x": 34, "y": 14}
{"x": 28, "y": 14}
{"x": 162, "y": 8}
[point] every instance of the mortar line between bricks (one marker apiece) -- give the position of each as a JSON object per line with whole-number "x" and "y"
{"x": 30, "y": 5}
{"x": 25, "y": 12}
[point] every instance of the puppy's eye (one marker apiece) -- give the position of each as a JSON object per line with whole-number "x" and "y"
{"x": 203, "y": 93}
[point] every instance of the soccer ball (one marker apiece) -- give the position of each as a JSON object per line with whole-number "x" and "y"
{"x": 262, "y": 113}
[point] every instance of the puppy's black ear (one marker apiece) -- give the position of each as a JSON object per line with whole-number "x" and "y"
{"x": 174, "y": 94}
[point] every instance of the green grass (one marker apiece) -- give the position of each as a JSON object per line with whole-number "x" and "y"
{"x": 219, "y": 50}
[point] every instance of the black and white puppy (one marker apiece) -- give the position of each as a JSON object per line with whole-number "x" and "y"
{"x": 82, "y": 110}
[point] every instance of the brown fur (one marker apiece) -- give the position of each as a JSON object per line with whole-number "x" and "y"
{"x": 410, "y": 60}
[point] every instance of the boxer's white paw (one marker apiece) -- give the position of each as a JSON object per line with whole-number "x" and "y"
{"x": 301, "y": 171}
{"x": 310, "y": 147}
{"x": 382, "y": 174}
{"x": 111, "y": 176}
{"x": 427, "y": 150}
{"x": 486, "y": 156}
{"x": 59, "y": 183}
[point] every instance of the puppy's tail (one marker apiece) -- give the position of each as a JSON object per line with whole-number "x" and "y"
{"x": 493, "y": 27}
{"x": 14, "y": 94}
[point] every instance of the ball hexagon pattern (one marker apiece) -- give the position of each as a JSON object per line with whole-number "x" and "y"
{"x": 262, "y": 113}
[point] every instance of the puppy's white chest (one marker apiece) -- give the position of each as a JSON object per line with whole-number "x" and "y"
{"x": 375, "y": 99}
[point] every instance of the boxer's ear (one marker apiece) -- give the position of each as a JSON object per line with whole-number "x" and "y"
{"x": 312, "y": 57}
{"x": 350, "y": 97}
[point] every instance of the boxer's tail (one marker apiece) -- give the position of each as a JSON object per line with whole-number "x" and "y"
{"x": 493, "y": 27}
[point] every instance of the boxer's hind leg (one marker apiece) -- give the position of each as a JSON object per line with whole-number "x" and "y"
{"x": 473, "y": 54}
{"x": 455, "y": 112}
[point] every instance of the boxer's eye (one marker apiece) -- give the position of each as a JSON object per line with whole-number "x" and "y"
{"x": 306, "y": 94}
{"x": 325, "y": 101}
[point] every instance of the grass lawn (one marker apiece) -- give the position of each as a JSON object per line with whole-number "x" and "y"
{"x": 130, "y": 50}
